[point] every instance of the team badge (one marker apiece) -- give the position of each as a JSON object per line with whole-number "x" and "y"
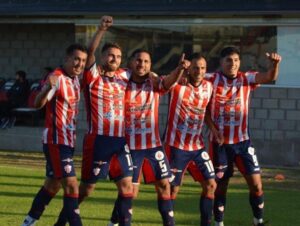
{"x": 171, "y": 213}
{"x": 251, "y": 150}
{"x": 159, "y": 155}
{"x": 204, "y": 155}
{"x": 96, "y": 171}
{"x": 68, "y": 168}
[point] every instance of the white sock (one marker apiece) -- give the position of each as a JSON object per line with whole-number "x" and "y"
{"x": 257, "y": 221}
{"x": 29, "y": 221}
{"x": 219, "y": 223}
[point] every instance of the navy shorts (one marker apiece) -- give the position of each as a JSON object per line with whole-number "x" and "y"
{"x": 180, "y": 160}
{"x": 242, "y": 154}
{"x": 59, "y": 161}
{"x": 103, "y": 156}
{"x": 153, "y": 162}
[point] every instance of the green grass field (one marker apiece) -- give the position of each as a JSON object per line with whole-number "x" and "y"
{"x": 21, "y": 176}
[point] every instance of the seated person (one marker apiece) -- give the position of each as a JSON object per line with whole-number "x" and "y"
{"x": 16, "y": 97}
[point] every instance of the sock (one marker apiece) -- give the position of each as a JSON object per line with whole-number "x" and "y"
{"x": 219, "y": 207}
{"x": 114, "y": 215}
{"x": 206, "y": 207}
{"x": 173, "y": 197}
{"x": 165, "y": 208}
{"x": 124, "y": 209}
{"x": 72, "y": 209}
{"x": 257, "y": 204}
{"x": 41, "y": 200}
{"x": 62, "y": 218}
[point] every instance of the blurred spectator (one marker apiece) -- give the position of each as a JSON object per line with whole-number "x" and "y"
{"x": 16, "y": 97}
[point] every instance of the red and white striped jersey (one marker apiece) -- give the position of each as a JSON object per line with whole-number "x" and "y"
{"x": 187, "y": 109}
{"x": 141, "y": 114}
{"x": 61, "y": 110}
{"x": 229, "y": 106}
{"x": 104, "y": 99}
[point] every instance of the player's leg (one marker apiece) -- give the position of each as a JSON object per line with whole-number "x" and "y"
{"x": 121, "y": 170}
{"x": 89, "y": 173}
{"x": 248, "y": 165}
{"x": 48, "y": 190}
{"x": 137, "y": 160}
{"x": 42, "y": 199}
{"x": 223, "y": 158}
{"x": 205, "y": 167}
{"x": 158, "y": 171}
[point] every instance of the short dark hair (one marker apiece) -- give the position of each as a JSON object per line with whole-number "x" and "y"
{"x": 76, "y": 46}
{"x": 229, "y": 51}
{"x": 196, "y": 56}
{"x": 21, "y": 74}
{"x": 109, "y": 45}
{"x": 135, "y": 52}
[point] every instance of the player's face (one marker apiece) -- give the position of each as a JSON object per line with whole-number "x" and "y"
{"x": 197, "y": 70}
{"x": 230, "y": 65}
{"x": 111, "y": 59}
{"x": 141, "y": 64}
{"x": 75, "y": 63}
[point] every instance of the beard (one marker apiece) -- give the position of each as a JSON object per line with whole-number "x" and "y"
{"x": 110, "y": 66}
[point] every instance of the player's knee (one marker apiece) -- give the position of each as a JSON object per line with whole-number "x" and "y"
{"x": 52, "y": 185}
{"x": 85, "y": 190}
{"x": 174, "y": 191}
{"x": 211, "y": 186}
{"x": 70, "y": 186}
{"x": 125, "y": 186}
{"x": 256, "y": 188}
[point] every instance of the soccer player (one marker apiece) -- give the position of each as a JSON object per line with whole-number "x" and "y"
{"x": 142, "y": 129}
{"x": 229, "y": 110}
{"x": 187, "y": 107}
{"x": 104, "y": 147}
{"x": 61, "y": 97}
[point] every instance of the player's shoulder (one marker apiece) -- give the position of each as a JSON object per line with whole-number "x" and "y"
{"x": 123, "y": 73}
{"x": 57, "y": 72}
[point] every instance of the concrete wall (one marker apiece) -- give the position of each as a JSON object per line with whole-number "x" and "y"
{"x": 31, "y": 47}
{"x": 274, "y": 125}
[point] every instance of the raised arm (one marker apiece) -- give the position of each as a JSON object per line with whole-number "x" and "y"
{"x": 105, "y": 23}
{"x": 42, "y": 98}
{"x": 272, "y": 73}
{"x": 175, "y": 75}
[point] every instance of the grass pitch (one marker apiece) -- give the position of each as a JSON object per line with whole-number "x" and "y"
{"x": 22, "y": 174}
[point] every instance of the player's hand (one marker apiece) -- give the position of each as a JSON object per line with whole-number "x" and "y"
{"x": 183, "y": 63}
{"x": 219, "y": 137}
{"x": 275, "y": 58}
{"x": 152, "y": 75}
{"x": 52, "y": 80}
{"x": 105, "y": 23}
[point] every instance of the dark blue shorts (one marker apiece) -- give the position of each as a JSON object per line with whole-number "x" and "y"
{"x": 181, "y": 159}
{"x": 242, "y": 154}
{"x": 59, "y": 161}
{"x": 103, "y": 155}
{"x": 153, "y": 162}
